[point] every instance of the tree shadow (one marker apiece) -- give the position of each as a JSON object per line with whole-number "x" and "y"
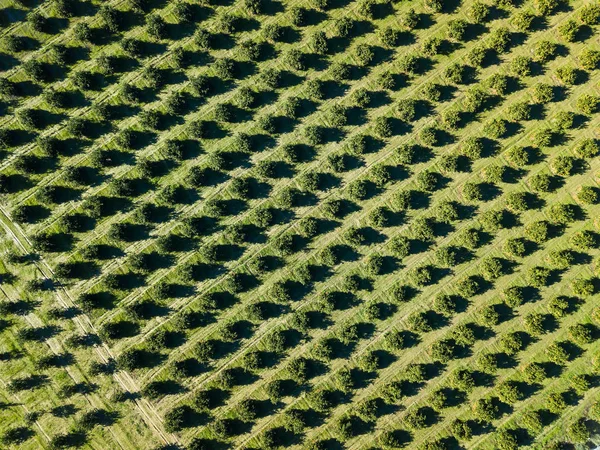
{"x": 7, "y": 62}
{"x": 64, "y": 411}
{"x": 38, "y": 334}
{"x": 31, "y": 214}
{"x": 318, "y": 320}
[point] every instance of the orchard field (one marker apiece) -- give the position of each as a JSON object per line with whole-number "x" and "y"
{"x": 317, "y": 224}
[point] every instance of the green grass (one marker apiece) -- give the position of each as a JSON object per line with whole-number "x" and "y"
{"x": 136, "y": 425}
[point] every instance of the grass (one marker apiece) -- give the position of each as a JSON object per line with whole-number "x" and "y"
{"x": 139, "y": 420}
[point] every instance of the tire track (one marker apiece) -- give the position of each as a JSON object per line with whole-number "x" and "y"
{"x": 84, "y": 324}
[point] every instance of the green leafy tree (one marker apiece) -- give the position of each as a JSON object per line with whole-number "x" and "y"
{"x": 588, "y": 103}
{"x": 545, "y": 51}
{"x": 518, "y": 201}
{"x": 521, "y": 66}
{"x": 415, "y": 419}
{"x": 515, "y": 247}
{"x": 534, "y": 372}
{"x": 556, "y": 403}
{"x": 463, "y": 380}
{"x": 510, "y": 392}
{"x": 499, "y": 40}
{"x": 543, "y": 93}
{"x": 587, "y": 148}
{"x": 461, "y": 429}
{"x": 568, "y": 75}
{"x": 584, "y": 287}
{"x": 584, "y": 239}
{"x": 589, "y": 59}
{"x": 561, "y": 259}
{"x": 348, "y": 426}
{"x": 539, "y": 276}
{"x": 518, "y": 112}
{"x": 512, "y": 343}
{"x": 539, "y": 231}
{"x": 590, "y": 14}
{"x": 588, "y": 194}
{"x": 506, "y": 440}
{"x": 383, "y": 127}
{"x": 498, "y": 83}
{"x": 478, "y": 12}
{"x": 523, "y": 20}
{"x": 486, "y": 409}
{"x": 582, "y": 333}
{"x": 178, "y": 418}
{"x": 421, "y": 276}
{"x": 559, "y": 306}
{"x": 569, "y": 30}
{"x": 581, "y": 383}
{"x": 495, "y": 128}
{"x": 393, "y": 439}
{"x": 578, "y": 431}
{"x": 409, "y": 19}
{"x": 514, "y": 296}
{"x": 442, "y": 350}
{"x": 563, "y": 165}
{"x": 546, "y": 7}
{"x": 456, "y": 73}
{"x": 492, "y": 268}
{"x": 557, "y": 353}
